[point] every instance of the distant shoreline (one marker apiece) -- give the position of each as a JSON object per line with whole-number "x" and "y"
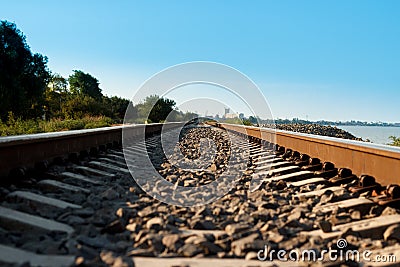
{"x": 366, "y": 125}
{"x": 335, "y": 123}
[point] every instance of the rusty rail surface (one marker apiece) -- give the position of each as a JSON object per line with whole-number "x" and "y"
{"x": 26, "y": 150}
{"x": 380, "y": 161}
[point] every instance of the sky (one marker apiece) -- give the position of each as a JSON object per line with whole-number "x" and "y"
{"x": 331, "y": 60}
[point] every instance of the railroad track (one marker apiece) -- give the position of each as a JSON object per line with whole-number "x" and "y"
{"x": 87, "y": 210}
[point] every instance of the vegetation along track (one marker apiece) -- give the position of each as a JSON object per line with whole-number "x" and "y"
{"x": 88, "y": 211}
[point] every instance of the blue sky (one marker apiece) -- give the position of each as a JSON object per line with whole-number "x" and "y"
{"x": 334, "y": 60}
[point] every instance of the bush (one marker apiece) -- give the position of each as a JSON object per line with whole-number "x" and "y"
{"x": 98, "y": 122}
{"x": 18, "y": 126}
{"x": 56, "y": 125}
{"x": 395, "y": 141}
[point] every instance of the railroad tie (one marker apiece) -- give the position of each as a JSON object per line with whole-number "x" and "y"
{"x": 15, "y": 220}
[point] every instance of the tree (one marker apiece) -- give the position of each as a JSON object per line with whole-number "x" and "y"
{"x": 155, "y": 109}
{"x": 23, "y": 75}
{"x": 78, "y": 106}
{"x": 81, "y": 83}
{"x": 56, "y": 95}
{"x": 58, "y": 84}
{"x": 253, "y": 120}
{"x": 118, "y": 106}
{"x": 247, "y": 122}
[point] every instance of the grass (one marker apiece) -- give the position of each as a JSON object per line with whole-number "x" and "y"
{"x": 18, "y": 126}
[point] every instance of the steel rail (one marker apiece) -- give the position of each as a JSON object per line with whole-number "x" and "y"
{"x": 380, "y": 161}
{"x": 26, "y": 150}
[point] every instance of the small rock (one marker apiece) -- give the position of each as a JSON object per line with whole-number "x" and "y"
{"x": 221, "y": 254}
{"x": 296, "y": 215}
{"x": 326, "y": 197}
{"x": 275, "y": 237}
{"x": 155, "y": 242}
{"x": 349, "y": 231}
{"x": 213, "y": 167}
{"x": 147, "y": 211}
{"x": 195, "y": 239}
{"x": 239, "y": 246}
{"x": 389, "y": 211}
{"x": 114, "y": 227}
{"x": 107, "y": 257}
{"x": 109, "y": 194}
{"x": 352, "y": 239}
{"x": 104, "y": 216}
{"x": 231, "y": 229}
{"x": 204, "y": 211}
{"x": 292, "y": 223}
{"x": 267, "y": 227}
{"x": 280, "y": 185}
{"x": 133, "y": 227}
{"x": 252, "y": 255}
{"x": 122, "y": 245}
{"x": 79, "y": 261}
{"x": 155, "y": 224}
{"x": 96, "y": 242}
{"x": 120, "y": 212}
{"x": 122, "y": 262}
{"x": 375, "y": 211}
{"x": 204, "y": 225}
{"x": 210, "y": 248}
{"x": 141, "y": 235}
{"x": 87, "y": 253}
{"x": 392, "y": 232}
{"x": 172, "y": 242}
{"x": 355, "y": 215}
{"x": 325, "y": 226}
{"x": 340, "y": 219}
{"x": 86, "y": 212}
{"x": 189, "y": 250}
{"x": 141, "y": 252}
{"x": 72, "y": 220}
{"x": 71, "y": 246}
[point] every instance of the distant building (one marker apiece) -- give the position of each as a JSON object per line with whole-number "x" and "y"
{"x": 227, "y": 111}
{"x": 231, "y": 116}
{"x": 228, "y": 115}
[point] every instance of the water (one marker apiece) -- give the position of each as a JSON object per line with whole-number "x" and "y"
{"x": 377, "y": 134}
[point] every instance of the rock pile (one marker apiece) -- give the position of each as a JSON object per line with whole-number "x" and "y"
{"x": 316, "y": 129}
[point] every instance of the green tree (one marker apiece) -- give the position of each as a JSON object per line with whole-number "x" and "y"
{"x": 247, "y": 122}
{"x": 253, "y": 120}
{"x": 23, "y": 75}
{"x": 56, "y": 95}
{"x": 78, "y": 106}
{"x": 155, "y": 109}
{"x": 81, "y": 83}
{"x": 58, "y": 84}
{"x": 115, "y": 107}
